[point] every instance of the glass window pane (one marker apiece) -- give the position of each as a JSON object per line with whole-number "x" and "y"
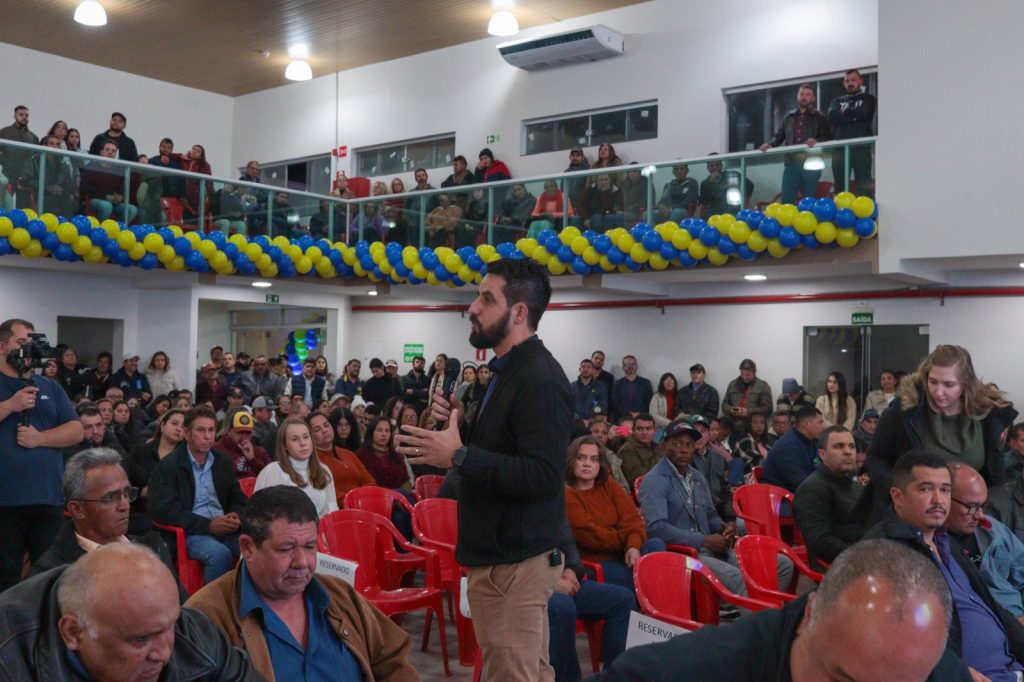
{"x": 255, "y": 318}
{"x": 830, "y": 89}
{"x": 570, "y": 132}
{"x": 643, "y": 123}
{"x": 746, "y": 120}
{"x": 444, "y": 152}
{"x": 304, "y": 317}
{"x": 275, "y": 176}
{"x": 540, "y": 137}
{"x": 608, "y": 127}
{"x": 318, "y": 175}
{"x": 783, "y": 100}
{"x": 367, "y": 163}
{"x": 419, "y": 154}
{"x": 392, "y": 160}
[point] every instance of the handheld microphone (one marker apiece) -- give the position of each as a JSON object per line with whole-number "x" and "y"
{"x": 452, "y": 369}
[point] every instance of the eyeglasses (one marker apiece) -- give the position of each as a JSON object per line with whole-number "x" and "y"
{"x": 111, "y": 498}
{"x": 970, "y": 508}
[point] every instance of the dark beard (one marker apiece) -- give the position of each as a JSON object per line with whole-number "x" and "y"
{"x": 489, "y": 337}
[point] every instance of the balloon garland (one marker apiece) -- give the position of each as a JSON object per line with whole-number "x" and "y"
{"x": 780, "y": 228}
{"x": 301, "y": 343}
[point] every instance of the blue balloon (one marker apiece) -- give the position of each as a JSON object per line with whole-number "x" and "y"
{"x": 552, "y": 244}
{"x": 275, "y": 253}
{"x": 98, "y": 236}
{"x": 602, "y": 243}
{"x": 149, "y": 261}
{"x": 544, "y": 236}
{"x": 231, "y": 251}
{"x": 789, "y": 237}
{"x": 845, "y": 218}
{"x": 475, "y": 262}
{"x": 49, "y": 241}
{"x": 686, "y": 260}
{"x": 395, "y": 258}
{"x": 442, "y": 273}
{"x": 167, "y": 234}
{"x": 37, "y": 229}
{"x": 516, "y": 255}
{"x": 580, "y": 267}
{"x": 414, "y": 280}
{"x": 311, "y": 334}
{"x": 565, "y": 254}
{"x": 457, "y": 281}
{"x": 504, "y": 249}
{"x": 754, "y": 219}
{"x": 5, "y": 246}
{"x": 810, "y": 241}
{"x": 824, "y": 209}
{"x": 874, "y": 214}
{"x": 864, "y": 227}
{"x": 18, "y": 218}
{"x": 362, "y": 249}
{"x": 746, "y": 253}
{"x": 652, "y": 241}
{"x": 194, "y": 260}
{"x": 710, "y": 236}
{"x": 643, "y": 226}
{"x": 668, "y": 252}
{"x": 806, "y": 204}
{"x": 334, "y": 255}
{"x": 183, "y": 247}
{"x": 82, "y": 223}
{"x": 401, "y": 270}
{"x": 241, "y": 260}
{"x": 615, "y": 256}
{"x": 430, "y": 260}
{"x": 62, "y": 252}
{"x": 483, "y": 270}
{"x": 770, "y": 228}
{"x": 262, "y": 241}
{"x": 123, "y": 259}
{"x": 111, "y": 248}
{"x": 305, "y": 241}
{"x": 367, "y": 262}
{"x": 632, "y": 264}
{"x": 465, "y": 253}
{"x": 637, "y": 232}
{"x": 726, "y": 246}
{"x": 590, "y": 235}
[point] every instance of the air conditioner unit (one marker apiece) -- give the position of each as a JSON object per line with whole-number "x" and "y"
{"x": 572, "y": 47}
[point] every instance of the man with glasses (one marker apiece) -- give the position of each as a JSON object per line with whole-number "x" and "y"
{"x": 990, "y": 545}
{"x": 631, "y": 395}
{"x": 98, "y": 494}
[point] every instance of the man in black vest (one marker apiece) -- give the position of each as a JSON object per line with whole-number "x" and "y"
{"x": 309, "y": 385}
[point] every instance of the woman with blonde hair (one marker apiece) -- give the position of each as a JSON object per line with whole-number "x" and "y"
{"x": 942, "y": 408}
{"x": 298, "y": 465}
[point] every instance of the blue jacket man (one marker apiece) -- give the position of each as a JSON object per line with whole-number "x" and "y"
{"x": 589, "y": 396}
{"x": 792, "y": 458}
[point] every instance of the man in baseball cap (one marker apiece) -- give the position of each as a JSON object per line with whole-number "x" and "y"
{"x": 265, "y": 429}
{"x": 247, "y": 457}
{"x": 131, "y": 381}
{"x": 391, "y": 368}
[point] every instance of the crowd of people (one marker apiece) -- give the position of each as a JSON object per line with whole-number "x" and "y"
{"x": 454, "y": 219}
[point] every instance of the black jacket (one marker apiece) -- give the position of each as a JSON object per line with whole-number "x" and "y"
{"x": 702, "y": 400}
{"x": 899, "y": 431}
{"x": 172, "y": 491}
{"x": 31, "y": 648}
{"x": 1006, "y": 503}
{"x": 853, "y": 115}
{"x": 821, "y": 507}
{"x": 893, "y": 528}
{"x": 511, "y": 494}
{"x": 378, "y": 390}
{"x": 753, "y": 649}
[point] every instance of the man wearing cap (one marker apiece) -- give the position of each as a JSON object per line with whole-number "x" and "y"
{"x": 391, "y": 369}
{"x": 130, "y": 380}
{"x": 416, "y": 384}
{"x": 865, "y": 429}
{"x": 237, "y": 443}
{"x": 309, "y": 385}
{"x": 576, "y": 186}
{"x": 793, "y": 396}
{"x": 264, "y": 431}
{"x": 678, "y": 509}
{"x": 747, "y": 395}
{"x": 712, "y": 466}
{"x": 791, "y": 459}
{"x": 698, "y": 396}
{"x": 212, "y": 388}
{"x": 126, "y": 149}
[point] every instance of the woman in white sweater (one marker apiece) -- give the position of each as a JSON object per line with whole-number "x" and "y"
{"x": 297, "y": 465}
{"x": 162, "y": 379}
{"x": 836, "y": 405}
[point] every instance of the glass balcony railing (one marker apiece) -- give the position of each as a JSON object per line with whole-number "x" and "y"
{"x": 742, "y": 185}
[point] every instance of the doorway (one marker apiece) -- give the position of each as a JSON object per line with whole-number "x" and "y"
{"x": 90, "y": 335}
{"x": 861, "y": 353}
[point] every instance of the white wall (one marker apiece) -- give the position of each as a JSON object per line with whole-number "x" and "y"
{"x": 85, "y": 95}
{"x": 949, "y": 172}
{"x": 721, "y": 336}
{"x": 680, "y": 52}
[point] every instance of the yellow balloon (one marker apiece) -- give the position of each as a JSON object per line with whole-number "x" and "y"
{"x": 348, "y": 256}
{"x": 6, "y": 226}
{"x": 264, "y": 261}
{"x": 526, "y": 245}
{"x": 666, "y": 229}
{"x": 776, "y": 249}
{"x": 725, "y": 221}
{"x": 177, "y": 264}
{"x": 492, "y": 256}
{"x": 66, "y": 233}
{"x": 410, "y": 257}
{"x": 238, "y": 240}
{"x": 137, "y": 251}
{"x": 825, "y": 232}
{"x": 82, "y": 245}
{"x": 739, "y": 232}
{"x": 757, "y": 243}
{"x": 295, "y": 252}
{"x": 153, "y": 242}
{"x": 385, "y": 267}
{"x": 432, "y": 279}
{"x": 541, "y": 255}
{"x": 568, "y": 235}
{"x": 639, "y": 253}
{"x": 166, "y": 255}
{"x": 281, "y": 242}
{"x": 452, "y": 263}
{"x": 219, "y": 260}
{"x": 844, "y": 200}
{"x": 623, "y": 268}
{"x": 176, "y": 229}
{"x": 697, "y": 250}
{"x": 556, "y": 266}
{"x": 111, "y": 227}
{"x": 591, "y": 256}
{"x": 125, "y": 239}
{"x": 419, "y": 271}
{"x": 253, "y": 251}
{"x": 304, "y": 265}
{"x": 847, "y": 238}
{"x": 270, "y": 270}
{"x": 358, "y": 269}
{"x": 485, "y": 250}
{"x": 786, "y": 215}
{"x": 717, "y": 257}
{"x": 95, "y": 255}
{"x": 625, "y": 242}
{"x": 657, "y": 262}
{"x": 579, "y": 245}
{"x": 32, "y": 215}
{"x": 606, "y": 264}
{"x": 772, "y": 210}
{"x": 194, "y": 238}
{"x": 50, "y": 221}
{"x": 714, "y": 220}
{"x": 805, "y": 222}
{"x": 33, "y": 250}
{"x": 863, "y": 207}
{"x": 465, "y": 273}
{"x": 19, "y": 238}
{"x": 681, "y": 239}
{"x": 207, "y": 248}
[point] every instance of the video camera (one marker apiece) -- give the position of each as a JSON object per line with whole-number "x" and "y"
{"x": 33, "y": 355}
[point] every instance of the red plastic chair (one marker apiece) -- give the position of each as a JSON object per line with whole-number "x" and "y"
{"x": 683, "y": 591}
{"x": 359, "y": 186}
{"x": 758, "y": 472}
{"x": 190, "y": 571}
{"x": 756, "y": 556}
{"x": 759, "y": 504}
{"x": 376, "y": 499}
{"x": 427, "y": 486}
{"x": 248, "y": 485}
{"x": 173, "y": 211}
{"x": 636, "y": 488}
{"x": 363, "y": 538}
{"x": 398, "y": 557}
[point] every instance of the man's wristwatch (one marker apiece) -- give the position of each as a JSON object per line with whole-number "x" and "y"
{"x": 460, "y": 456}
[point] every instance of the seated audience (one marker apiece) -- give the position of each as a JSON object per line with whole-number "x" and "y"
{"x": 159, "y": 375}
{"x": 228, "y": 209}
{"x": 274, "y": 596}
{"x": 550, "y": 210}
{"x": 367, "y": 225}
{"x": 823, "y": 502}
{"x": 381, "y": 386}
{"x": 698, "y": 396}
{"x": 298, "y": 465}
{"x": 605, "y": 522}
{"x": 791, "y": 459}
{"x": 782, "y": 422}
{"x": 442, "y": 223}
{"x": 865, "y": 430}
{"x": 125, "y": 148}
{"x": 634, "y": 194}
{"x": 515, "y": 213}
{"x": 880, "y": 398}
{"x": 835, "y": 633}
{"x": 194, "y": 161}
{"x": 259, "y": 381}
{"x": 602, "y": 207}
{"x": 170, "y": 432}
{"x": 388, "y": 468}
{"x": 99, "y": 375}
{"x": 283, "y": 217}
{"x": 714, "y": 194}
{"x": 132, "y": 382}
{"x": 574, "y": 187}
{"x": 72, "y": 375}
{"x": 639, "y": 454}
{"x": 264, "y": 431}
{"x": 793, "y": 396}
{"x": 127, "y": 429}
{"x": 990, "y": 545}
{"x": 212, "y": 388}
{"x": 713, "y": 466}
{"x": 983, "y": 634}
{"x": 103, "y": 187}
{"x": 490, "y": 170}
{"x": 590, "y": 397}
{"x": 307, "y": 385}
{"x": 663, "y": 403}
{"x": 113, "y": 614}
{"x": 61, "y": 188}
{"x": 678, "y": 195}
{"x": 460, "y": 173}
{"x": 836, "y": 405}
{"x": 347, "y": 472}
{"x": 754, "y": 445}
{"x": 348, "y": 383}
{"x": 94, "y": 433}
{"x": 195, "y": 487}
{"x": 247, "y": 457}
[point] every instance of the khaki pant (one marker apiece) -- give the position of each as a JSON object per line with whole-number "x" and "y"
{"x": 509, "y": 604}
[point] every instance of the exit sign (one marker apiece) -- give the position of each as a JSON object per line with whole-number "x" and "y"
{"x": 493, "y": 139}
{"x": 273, "y": 298}
{"x": 863, "y": 318}
{"x": 411, "y": 350}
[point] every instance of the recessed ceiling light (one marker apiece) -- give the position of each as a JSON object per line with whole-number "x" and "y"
{"x": 503, "y": 23}
{"x": 262, "y": 284}
{"x": 755, "y": 278}
{"x": 371, "y": 292}
{"x": 1021, "y": 264}
{"x": 91, "y": 13}
{"x": 298, "y": 70}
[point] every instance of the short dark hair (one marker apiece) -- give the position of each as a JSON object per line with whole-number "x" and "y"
{"x": 7, "y": 328}
{"x": 276, "y": 502}
{"x": 461, "y": 158}
{"x": 804, "y": 413}
{"x": 849, "y": 71}
{"x": 525, "y": 282}
{"x": 20, "y": 107}
{"x": 1016, "y": 431}
{"x": 643, "y": 417}
{"x": 88, "y": 410}
{"x": 119, "y": 115}
{"x": 903, "y": 470}
{"x": 747, "y": 363}
{"x": 421, "y": 168}
{"x": 375, "y": 363}
{"x": 587, "y": 361}
{"x": 220, "y": 348}
{"x": 199, "y": 412}
{"x": 827, "y": 433}
{"x": 168, "y": 141}
{"x": 308, "y": 361}
{"x": 808, "y": 86}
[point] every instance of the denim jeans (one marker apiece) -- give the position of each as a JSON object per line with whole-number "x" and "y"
{"x": 217, "y": 554}
{"x": 618, "y": 573}
{"x": 104, "y": 209}
{"x": 593, "y": 601}
{"x": 795, "y": 178}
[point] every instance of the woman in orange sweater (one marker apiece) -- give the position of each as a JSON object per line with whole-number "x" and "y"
{"x": 604, "y": 520}
{"x": 346, "y": 469}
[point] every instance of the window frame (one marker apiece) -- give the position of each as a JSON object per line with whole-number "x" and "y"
{"x": 589, "y": 114}
{"x": 447, "y": 138}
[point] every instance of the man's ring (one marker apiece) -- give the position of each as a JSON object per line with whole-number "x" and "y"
{"x": 417, "y": 452}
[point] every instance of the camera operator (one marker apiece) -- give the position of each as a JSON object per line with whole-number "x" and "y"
{"x": 31, "y": 500}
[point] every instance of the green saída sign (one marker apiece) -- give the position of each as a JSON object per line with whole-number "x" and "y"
{"x": 863, "y": 318}
{"x": 411, "y": 350}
